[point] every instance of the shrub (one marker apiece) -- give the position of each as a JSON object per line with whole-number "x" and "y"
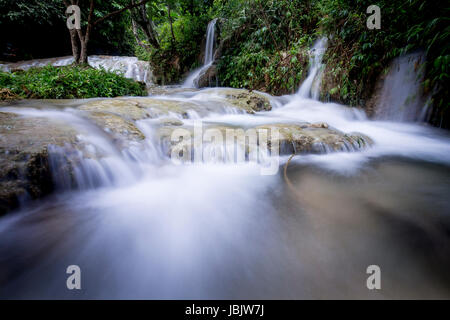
{"x": 69, "y": 82}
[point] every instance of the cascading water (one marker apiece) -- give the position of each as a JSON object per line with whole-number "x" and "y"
{"x": 131, "y": 67}
{"x": 310, "y": 88}
{"x": 192, "y": 79}
{"x": 401, "y": 96}
{"x": 141, "y": 226}
{"x": 210, "y": 37}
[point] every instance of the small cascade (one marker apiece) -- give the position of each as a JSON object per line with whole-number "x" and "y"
{"x": 74, "y": 169}
{"x": 131, "y": 67}
{"x": 90, "y": 160}
{"x": 401, "y": 96}
{"x": 310, "y": 88}
{"x": 192, "y": 79}
{"x": 209, "y": 49}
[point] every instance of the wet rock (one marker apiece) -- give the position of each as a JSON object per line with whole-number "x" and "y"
{"x": 168, "y": 90}
{"x": 133, "y": 109}
{"x": 161, "y": 107}
{"x": 251, "y": 102}
{"x": 121, "y": 128}
{"x": 208, "y": 78}
{"x": 320, "y": 125}
{"x": 24, "y": 157}
{"x": 245, "y": 100}
{"x": 142, "y": 108}
{"x": 301, "y": 138}
{"x": 125, "y": 108}
{"x": 171, "y": 122}
{"x": 6, "y": 94}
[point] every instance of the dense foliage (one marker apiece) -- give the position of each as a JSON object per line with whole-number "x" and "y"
{"x": 69, "y": 82}
{"x": 357, "y": 56}
{"x": 264, "y": 43}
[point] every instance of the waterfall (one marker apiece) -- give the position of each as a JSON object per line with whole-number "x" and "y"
{"x": 131, "y": 67}
{"x": 192, "y": 79}
{"x": 310, "y": 88}
{"x": 210, "y": 34}
{"x": 145, "y": 227}
{"x": 401, "y": 95}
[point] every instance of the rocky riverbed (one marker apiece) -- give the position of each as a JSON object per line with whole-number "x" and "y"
{"x": 29, "y": 131}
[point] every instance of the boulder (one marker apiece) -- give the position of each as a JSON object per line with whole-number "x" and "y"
{"x": 122, "y": 129}
{"x": 208, "y": 78}
{"x": 246, "y": 100}
{"x": 6, "y": 94}
{"x": 300, "y": 138}
{"x": 148, "y": 107}
{"x": 168, "y": 90}
{"x": 315, "y": 139}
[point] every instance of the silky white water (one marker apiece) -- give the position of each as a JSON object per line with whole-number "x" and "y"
{"x": 310, "y": 87}
{"x": 148, "y": 228}
{"x": 192, "y": 80}
{"x": 401, "y": 97}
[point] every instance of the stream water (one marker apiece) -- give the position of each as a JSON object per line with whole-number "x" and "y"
{"x": 140, "y": 226}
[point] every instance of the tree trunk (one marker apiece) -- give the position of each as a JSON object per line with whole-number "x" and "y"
{"x": 83, "y": 55}
{"x": 171, "y": 25}
{"x": 139, "y": 17}
{"x": 84, "y": 39}
{"x": 75, "y": 47}
{"x": 73, "y": 36}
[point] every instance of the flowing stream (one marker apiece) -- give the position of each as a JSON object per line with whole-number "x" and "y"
{"x": 140, "y": 226}
{"x": 401, "y": 96}
{"x": 192, "y": 80}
